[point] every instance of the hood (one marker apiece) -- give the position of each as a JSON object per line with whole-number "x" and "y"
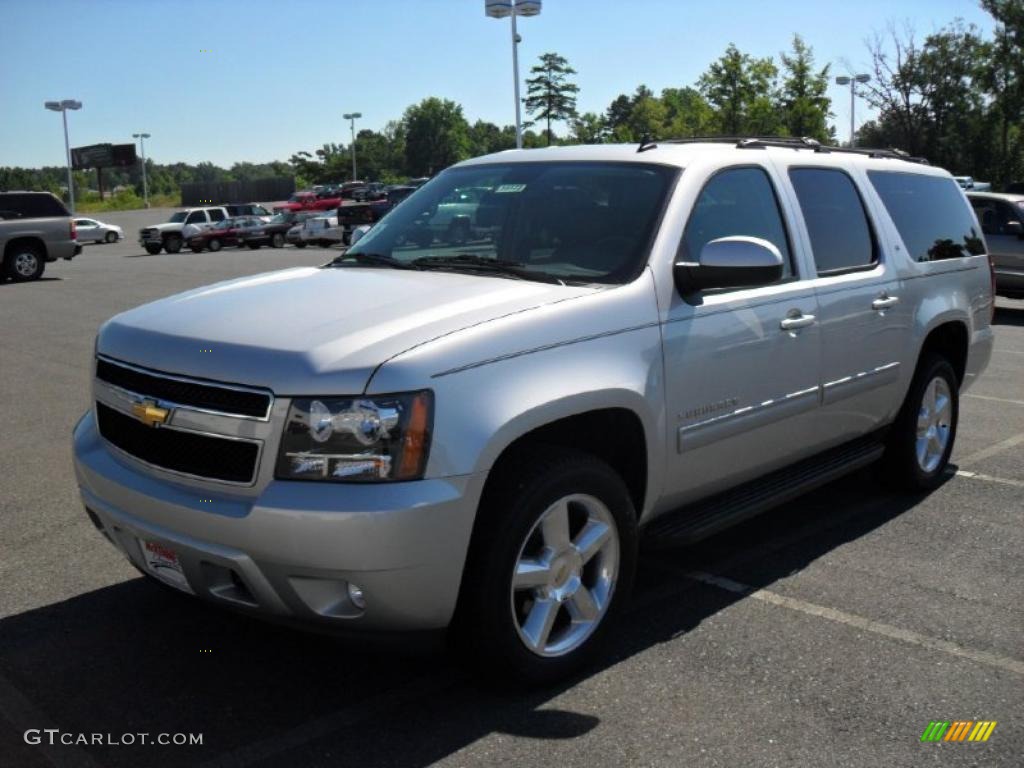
{"x": 166, "y": 226}
{"x": 310, "y": 330}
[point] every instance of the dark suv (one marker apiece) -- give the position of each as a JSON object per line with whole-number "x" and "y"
{"x": 35, "y": 228}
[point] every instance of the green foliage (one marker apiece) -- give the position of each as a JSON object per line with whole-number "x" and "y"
{"x": 550, "y": 95}
{"x": 436, "y": 136}
{"x": 742, "y": 91}
{"x": 804, "y": 95}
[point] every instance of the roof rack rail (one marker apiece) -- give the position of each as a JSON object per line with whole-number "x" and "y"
{"x": 795, "y": 142}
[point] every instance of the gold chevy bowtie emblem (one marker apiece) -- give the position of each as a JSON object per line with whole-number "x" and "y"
{"x": 150, "y": 414}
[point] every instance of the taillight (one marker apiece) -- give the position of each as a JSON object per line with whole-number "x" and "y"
{"x": 992, "y": 278}
{"x": 74, "y": 230}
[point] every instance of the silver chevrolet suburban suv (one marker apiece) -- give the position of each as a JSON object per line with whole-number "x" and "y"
{"x": 476, "y": 431}
{"x": 35, "y": 227}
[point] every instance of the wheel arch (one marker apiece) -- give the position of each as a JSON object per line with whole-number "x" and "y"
{"x": 33, "y": 240}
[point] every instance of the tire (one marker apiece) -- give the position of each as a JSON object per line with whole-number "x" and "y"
{"x": 502, "y": 626}
{"x": 25, "y": 262}
{"x": 921, "y": 439}
{"x": 153, "y": 249}
{"x": 110, "y": 237}
{"x": 215, "y": 244}
{"x": 277, "y": 240}
{"x": 173, "y": 243}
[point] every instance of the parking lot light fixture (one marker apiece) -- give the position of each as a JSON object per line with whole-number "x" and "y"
{"x": 142, "y": 144}
{"x": 852, "y": 81}
{"x": 499, "y": 9}
{"x": 351, "y": 117}
{"x": 63, "y": 107}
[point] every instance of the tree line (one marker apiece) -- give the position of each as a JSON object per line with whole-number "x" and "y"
{"x": 956, "y": 97}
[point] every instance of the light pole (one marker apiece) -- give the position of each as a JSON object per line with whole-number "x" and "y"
{"x": 142, "y": 143}
{"x": 499, "y": 9}
{"x": 63, "y": 107}
{"x": 852, "y": 81}
{"x": 351, "y": 117}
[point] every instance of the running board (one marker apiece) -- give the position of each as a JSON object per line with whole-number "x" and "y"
{"x": 709, "y": 516}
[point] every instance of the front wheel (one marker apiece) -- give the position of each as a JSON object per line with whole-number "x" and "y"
{"x": 552, "y": 562}
{"x": 277, "y": 240}
{"x": 173, "y": 244}
{"x": 153, "y": 248}
{"x": 110, "y": 237}
{"x": 921, "y": 439}
{"x": 215, "y": 244}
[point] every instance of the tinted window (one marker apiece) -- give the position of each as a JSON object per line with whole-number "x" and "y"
{"x": 578, "y": 221}
{"x": 738, "y": 201}
{"x": 196, "y": 217}
{"x": 28, "y": 206}
{"x": 835, "y": 217}
{"x": 930, "y": 214}
{"x": 994, "y": 215}
{"x": 216, "y": 215}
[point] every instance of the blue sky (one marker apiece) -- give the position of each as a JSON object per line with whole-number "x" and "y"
{"x": 280, "y": 73}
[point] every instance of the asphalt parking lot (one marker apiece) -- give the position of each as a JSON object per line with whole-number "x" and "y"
{"x": 827, "y": 633}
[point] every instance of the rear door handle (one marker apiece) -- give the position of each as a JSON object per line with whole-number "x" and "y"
{"x": 884, "y": 302}
{"x": 800, "y": 321}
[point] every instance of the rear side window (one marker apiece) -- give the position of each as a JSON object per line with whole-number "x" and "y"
{"x": 16, "y": 205}
{"x": 841, "y": 237}
{"x": 930, "y": 214}
{"x": 216, "y": 215}
{"x": 737, "y": 201}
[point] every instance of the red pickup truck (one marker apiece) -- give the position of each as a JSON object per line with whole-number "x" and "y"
{"x": 310, "y": 201}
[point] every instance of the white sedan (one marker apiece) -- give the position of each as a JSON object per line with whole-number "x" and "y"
{"x": 92, "y": 231}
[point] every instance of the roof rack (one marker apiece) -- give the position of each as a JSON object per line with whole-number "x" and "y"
{"x": 794, "y": 142}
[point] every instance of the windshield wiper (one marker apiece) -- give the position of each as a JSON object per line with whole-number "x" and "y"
{"x": 473, "y": 262}
{"x": 372, "y": 259}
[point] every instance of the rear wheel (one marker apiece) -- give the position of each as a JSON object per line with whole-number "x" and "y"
{"x": 277, "y": 240}
{"x": 921, "y": 439}
{"x": 215, "y": 244}
{"x": 110, "y": 237}
{"x": 173, "y": 243}
{"x": 551, "y": 563}
{"x": 153, "y": 248}
{"x": 24, "y": 262}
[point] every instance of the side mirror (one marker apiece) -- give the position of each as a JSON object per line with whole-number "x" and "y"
{"x": 1014, "y": 228}
{"x": 730, "y": 262}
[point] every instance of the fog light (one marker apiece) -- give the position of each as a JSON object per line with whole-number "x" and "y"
{"x": 355, "y": 594}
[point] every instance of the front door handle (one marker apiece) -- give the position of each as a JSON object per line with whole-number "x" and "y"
{"x": 885, "y": 301}
{"x": 799, "y": 321}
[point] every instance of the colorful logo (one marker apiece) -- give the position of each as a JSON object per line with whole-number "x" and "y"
{"x": 958, "y": 730}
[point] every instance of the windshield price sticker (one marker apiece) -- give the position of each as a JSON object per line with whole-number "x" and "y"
{"x": 510, "y": 188}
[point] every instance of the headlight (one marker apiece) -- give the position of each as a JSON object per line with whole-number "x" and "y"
{"x": 357, "y": 439}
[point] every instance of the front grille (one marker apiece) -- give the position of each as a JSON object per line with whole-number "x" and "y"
{"x": 210, "y": 397}
{"x": 187, "y": 452}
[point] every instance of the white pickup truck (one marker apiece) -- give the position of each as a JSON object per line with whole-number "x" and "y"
{"x": 172, "y": 234}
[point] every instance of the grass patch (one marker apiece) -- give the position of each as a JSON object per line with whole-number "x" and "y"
{"x": 125, "y": 200}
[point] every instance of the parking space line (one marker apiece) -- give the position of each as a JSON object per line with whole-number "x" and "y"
{"x": 990, "y": 478}
{"x": 23, "y": 715}
{"x": 992, "y": 450}
{"x": 995, "y": 399}
{"x": 852, "y": 620}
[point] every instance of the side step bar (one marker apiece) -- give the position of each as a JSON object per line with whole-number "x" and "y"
{"x": 709, "y": 516}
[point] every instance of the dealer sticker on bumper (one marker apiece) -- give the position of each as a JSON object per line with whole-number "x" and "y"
{"x": 162, "y": 562}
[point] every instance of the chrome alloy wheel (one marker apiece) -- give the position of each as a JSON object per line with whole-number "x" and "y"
{"x": 933, "y": 424}
{"x": 565, "y": 575}
{"x": 26, "y": 263}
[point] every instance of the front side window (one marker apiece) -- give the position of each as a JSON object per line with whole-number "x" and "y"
{"x": 930, "y": 214}
{"x": 837, "y": 223}
{"x": 586, "y": 222}
{"x": 737, "y": 202}
{"x": 196, "y": 217}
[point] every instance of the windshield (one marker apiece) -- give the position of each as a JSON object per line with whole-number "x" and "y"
{"x": 577, "y": 221}
{"x": 177, "y": 218}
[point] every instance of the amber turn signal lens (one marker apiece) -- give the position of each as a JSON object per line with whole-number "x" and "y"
{"x": 416, "y": 439}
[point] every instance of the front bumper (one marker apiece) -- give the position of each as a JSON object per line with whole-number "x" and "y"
{"x": 290, "y": 551}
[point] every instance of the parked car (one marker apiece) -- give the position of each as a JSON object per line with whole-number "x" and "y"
{"x": 325, "y": 200}
{"x": 226, "y": 233}
{"x": 423, "y": 437}
{"x": 248, "y": 209}
{"x": 273, "y": 232}
{"x": 182, "y": 226}
{"x": 1016, "y": 188}
{"x": 35, "y": 227}
{"x": 91, "y": 230}
{"x": 373, "y": 190}
{"x": 322, "y": 231}
{"x": 352, "y": 215}
{"x": 1002, "y": 221}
